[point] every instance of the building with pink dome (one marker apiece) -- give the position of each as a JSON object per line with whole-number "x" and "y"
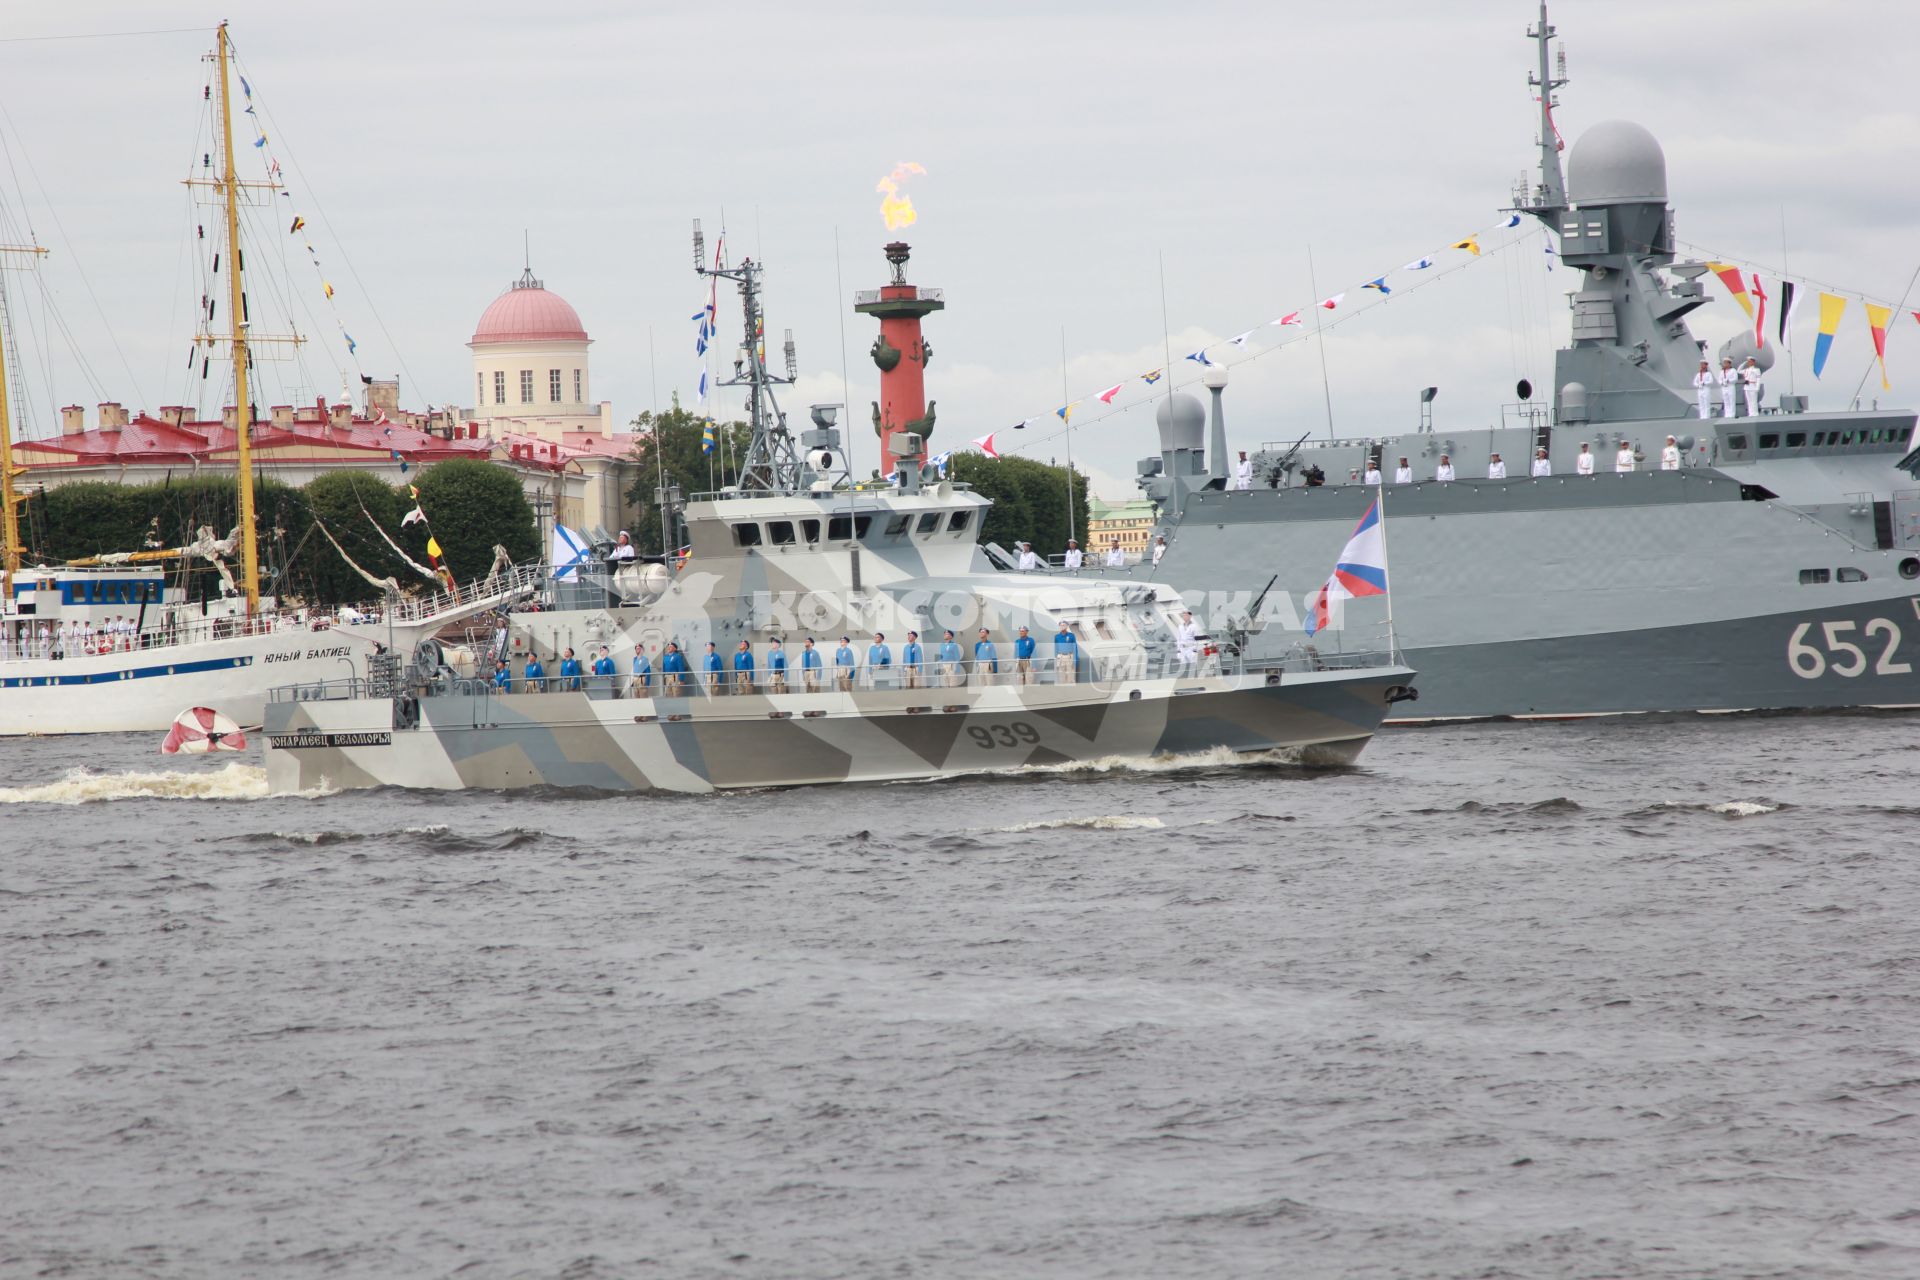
{"x": 533, "y": 389}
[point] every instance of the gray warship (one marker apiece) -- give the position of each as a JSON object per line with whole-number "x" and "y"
{"x": 798, "y": 551}
{"x": 1776, "y": 567}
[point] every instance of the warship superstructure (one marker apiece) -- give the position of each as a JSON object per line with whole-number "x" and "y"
{"x": 1777, "y": 567}
{"x": 798, "y": 551}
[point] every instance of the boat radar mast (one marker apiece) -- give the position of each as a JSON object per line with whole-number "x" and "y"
{"x": 1550, "y": 196}
{"x": 771, "y": 463}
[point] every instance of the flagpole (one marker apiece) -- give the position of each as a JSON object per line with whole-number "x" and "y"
{"x": 1386, "y": 571}
{"x": 1072, "y": 533}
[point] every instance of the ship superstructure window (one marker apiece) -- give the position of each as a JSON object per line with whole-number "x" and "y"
{"x": 897, "y": 525}
{"x": 780, "y": 532}
{"x": 526, "y": 386}
{"x": 1736, "y": 442}
{"x": 842, "y": 528}
{"x": 746, "y": 535}
{"x": 1770, "y": 440}
{"x": 1819, "y": 438}
{"x": 553, "y": 385}
{"x": 928, "y": 523}
{"x": 958, "y": 522}
{"x": 1850, "y": 574}
{"x": 499, "y": 386}
{"x": 1796, "y": 439}
{"x": 1814, "y": 577}
{"x": 810, "y": 530}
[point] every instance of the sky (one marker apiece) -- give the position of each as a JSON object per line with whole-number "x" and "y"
{"x": 1110, "y": 183}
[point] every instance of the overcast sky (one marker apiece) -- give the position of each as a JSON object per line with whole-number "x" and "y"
{"x": 1070, "y": 150}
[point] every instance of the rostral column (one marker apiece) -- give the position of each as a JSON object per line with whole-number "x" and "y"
{"x": 901, "y": 354}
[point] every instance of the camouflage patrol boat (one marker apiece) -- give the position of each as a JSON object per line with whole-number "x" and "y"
{"x": 797, "y": 551}
{"x": 1776, "y": 565}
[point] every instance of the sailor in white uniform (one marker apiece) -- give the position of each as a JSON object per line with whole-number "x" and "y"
{"x": 1623, "y": 460}
{"x": 623, "y": 550}
{"x": 1584, "y": 463}
{"x": 1116, "y": 558}
{"x": 1444, "y": 472}
{"x": 1403, "y": 474}
{"x": 1073, "y": 559}
{"x": 1373, "y": 472}
{"x": 1703, "y": 384}
{"x": 1243, "y": 472}
{"x": 1728, "y": 378}
{"x": 1029, "y": 562}
{"x": 1541, "y": 465}
{"x": 1670, "y": 455}
{"x": 1186, "y": 641}
{"x": 1496, "y": 469}
{"x": 1159, "y": 549}
{"x": 1750, "y": 376}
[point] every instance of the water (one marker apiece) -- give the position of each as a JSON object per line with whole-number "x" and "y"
{"x": 1632, "y": 999}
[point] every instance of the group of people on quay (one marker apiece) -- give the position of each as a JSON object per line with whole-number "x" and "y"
{"x": 1627, "y": 458}
{"x": 669, "y": 671}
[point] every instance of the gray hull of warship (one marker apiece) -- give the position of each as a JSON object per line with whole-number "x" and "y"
{"x": 1777, "y": 568}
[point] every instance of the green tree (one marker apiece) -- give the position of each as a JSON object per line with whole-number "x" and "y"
{"x": 673, "y": 442}
{"x": 1029, "y": 500}
{"x": 343, "y": 501}
{"x": 471, "y": 506}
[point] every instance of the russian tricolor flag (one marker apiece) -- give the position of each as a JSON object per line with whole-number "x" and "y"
{"x": 1361, "y": 569}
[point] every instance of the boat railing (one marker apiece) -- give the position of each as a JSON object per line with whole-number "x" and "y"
{"x": 521, "y": 579}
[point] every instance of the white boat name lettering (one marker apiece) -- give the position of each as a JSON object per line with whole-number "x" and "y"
{"x": 309, "y": 739}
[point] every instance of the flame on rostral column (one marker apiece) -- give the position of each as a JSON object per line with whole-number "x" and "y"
{"x": 897, "y": 210}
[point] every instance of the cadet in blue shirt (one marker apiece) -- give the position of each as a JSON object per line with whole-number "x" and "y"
{"x": 536, "y": 674}
{"x": 502, "y": 675}
{"x": 950, "y": 659}
{"x": 743, "y": 668}
{"x": 1023, "y": 657}
{"x": 810, "y": 667}
{"x": 712, "y": 664}
{"x": 1066, "y": 656}
{"x": 913, "y": 658}
{"x": 986, "y": 659}
{"x": 674, "y": 674}
{"x": 843, "y": 664}
{"x": 642, "y": 673}
{"x": 776, "y": 665}
{"x": 603, "y": 665}
{"x": 570, "y": 671}
{"x": 879, "y": 658}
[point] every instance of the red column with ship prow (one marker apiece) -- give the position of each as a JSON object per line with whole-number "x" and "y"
{"x": 901, "y": 354}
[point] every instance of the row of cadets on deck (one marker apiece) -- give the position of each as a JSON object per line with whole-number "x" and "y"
{"x": 1623, "y": 461}
{"x": 1746, "y": 377}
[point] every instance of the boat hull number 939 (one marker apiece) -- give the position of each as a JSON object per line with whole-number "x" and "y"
{"x": 1831, "y": 649}
{"x": 1017, "y": 734}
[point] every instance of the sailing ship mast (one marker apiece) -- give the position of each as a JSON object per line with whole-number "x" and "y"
{"x": 237, "y": 339}
{"x": 9, "y": 502}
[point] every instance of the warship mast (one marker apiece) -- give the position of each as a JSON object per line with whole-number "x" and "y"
{"x": 1550, "y": 196}
{"x": 771, "y": 465}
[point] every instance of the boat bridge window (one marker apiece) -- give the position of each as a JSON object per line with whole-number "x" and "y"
{"x": 897, "y": 525}
{"x": 780, "y": 532}
{"x": 1846, "y": 437}
{"x": 929, "y": 522}
{"x": 1770, "y": 440}
{"x": 1736, "y": 442}
{"x": 1814, "y": 577}
{"x": 1819, "y": 438}
{"x": 1796, "y": 439}
{"x": 958, "y": 521}
{"x": 1850, "y": 574}
{"x": 810, "y": 530}
{"x": 746, "y": 535}
{"x": 844, "y": 528}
